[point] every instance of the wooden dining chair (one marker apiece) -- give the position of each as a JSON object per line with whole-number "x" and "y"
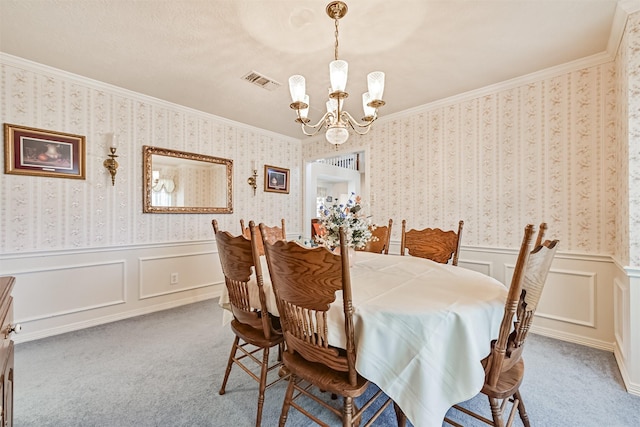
{"x": 305, "y": 282}
{"x": 504, "y": 366}
{"x": 432, "y": 243}
{"x": 316, "y": 228}
{"x": 272, "y": 233}
{"x": 253, "y": 326}
{"x": 382, "y": 237}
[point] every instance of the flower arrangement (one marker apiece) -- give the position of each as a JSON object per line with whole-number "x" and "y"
{"x": 333, "y": 215}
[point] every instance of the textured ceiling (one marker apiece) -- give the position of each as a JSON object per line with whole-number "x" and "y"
{"x": 195, "y": 52}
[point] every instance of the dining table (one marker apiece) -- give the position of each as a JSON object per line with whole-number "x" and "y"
{"x": 421, "y": 329}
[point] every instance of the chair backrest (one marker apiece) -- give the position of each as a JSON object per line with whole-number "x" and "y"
{"x": 272, "y": 234}
{"x": 432, "y": 243}
{"x": 237, "y": 257}
{"x": 529, "y": 277}
{"x": 316, "y": 228}
{"x": 541, "y": 231}
{"x": 305, "y": 282}
{"x": 380, "y": 244}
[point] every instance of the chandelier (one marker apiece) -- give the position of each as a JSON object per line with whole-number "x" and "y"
{"x": 336, "y": 121}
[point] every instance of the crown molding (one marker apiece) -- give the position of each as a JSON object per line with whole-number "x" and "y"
{"x": 629, "y": 6}
{"x": 624, "y": 8}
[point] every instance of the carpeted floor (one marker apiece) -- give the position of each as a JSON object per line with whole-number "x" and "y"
{"x": 165, "y": 368}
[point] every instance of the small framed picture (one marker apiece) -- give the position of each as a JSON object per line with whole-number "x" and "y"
{"x": 276, "y": 180}
{"x": 38, "y": 152}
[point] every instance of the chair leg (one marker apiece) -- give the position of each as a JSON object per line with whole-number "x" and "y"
{"x": 263, "y": 384}
{"x": 287, "y": 401}
{"x": 523, "y": 412}
{"x": 496, "y": 412}
{"x": 229, "y": 363}
{"x": 280, "y": 351}
{"x": 401, "y": 418}
{"x": 347, "y": 411}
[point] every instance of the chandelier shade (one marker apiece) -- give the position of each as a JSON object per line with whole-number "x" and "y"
{"x": 338, "y": 72}
{"x": 297, "y": 88}
{"x": 369, "y": 112}
{"x": 304, "y": 112}
{"x": 336, "y": 120}
{"x": 375, "y": 84}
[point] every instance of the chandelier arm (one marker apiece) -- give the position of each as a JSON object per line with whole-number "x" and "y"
{"x": 317, "y": 127}
{"x": 315, "y": 132}
{"x": 355, "y": 125}
{"x": 359, "y": 132}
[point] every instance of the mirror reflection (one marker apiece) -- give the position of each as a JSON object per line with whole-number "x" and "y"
{"x": 181, "y": 182}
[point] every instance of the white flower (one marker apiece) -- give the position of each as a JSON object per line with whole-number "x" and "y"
{"x": 333, "y": 215}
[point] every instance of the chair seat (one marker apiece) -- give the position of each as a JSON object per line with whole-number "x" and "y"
{"x": 255, "y": 336}
{"x": 508, "y": 382}
{"x": 323, "y": 377}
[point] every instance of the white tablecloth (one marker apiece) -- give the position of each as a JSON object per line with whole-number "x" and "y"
{"x": 421, "y": 329}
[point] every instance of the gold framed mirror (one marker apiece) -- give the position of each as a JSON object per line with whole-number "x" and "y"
{"x": 181, "y": 182}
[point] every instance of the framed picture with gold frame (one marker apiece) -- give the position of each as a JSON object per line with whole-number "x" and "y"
{"x": 39, "y": 152}
{"x": 276, "y": 180}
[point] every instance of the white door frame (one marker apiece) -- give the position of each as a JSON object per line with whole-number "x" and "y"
{"x": 310, "y": 183}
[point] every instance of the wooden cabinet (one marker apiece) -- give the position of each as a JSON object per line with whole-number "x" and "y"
{"x": 6, "y": 349}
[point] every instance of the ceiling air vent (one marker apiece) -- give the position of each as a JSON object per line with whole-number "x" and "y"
{"x": 260, "y": 80}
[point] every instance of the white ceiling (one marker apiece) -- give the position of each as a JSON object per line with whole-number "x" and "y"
{"x": 195, "y": 52}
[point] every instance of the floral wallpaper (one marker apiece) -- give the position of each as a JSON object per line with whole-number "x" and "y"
{"x": 41, "y": 214}
{"x": 631, "y": 48}
{"x": 541, "y": 151}
{"x": 563, "y": 149}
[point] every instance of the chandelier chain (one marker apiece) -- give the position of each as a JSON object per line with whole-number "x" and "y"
{"x": 336, "y": 45}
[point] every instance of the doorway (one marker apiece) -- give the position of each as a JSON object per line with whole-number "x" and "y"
{"x": 338, "y": 176}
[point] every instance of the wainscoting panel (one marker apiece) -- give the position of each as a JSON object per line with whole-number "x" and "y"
{"x": 63, "y": 291}
{"x": 483, "y": 267}
{"x": 621, "y": 310}
{"x": 40, "y": 294}
{"x": 577, "y": 302}
{"x": 574, "y": 286}
{"x": 563, "y": 287}
{"x": 192, "y": 270}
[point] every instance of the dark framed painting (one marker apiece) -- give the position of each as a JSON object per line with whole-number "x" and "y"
{"x": 276, "y": 180}
{"x": 39, "y": 152}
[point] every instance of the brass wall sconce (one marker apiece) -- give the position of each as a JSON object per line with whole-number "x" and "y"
{"x": 253, "y": 179}
{"x": 111, "y": 164}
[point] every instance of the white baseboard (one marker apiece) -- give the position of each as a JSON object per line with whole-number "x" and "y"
{"x": 577, "y": 339}
{"x": 631, "y": 387}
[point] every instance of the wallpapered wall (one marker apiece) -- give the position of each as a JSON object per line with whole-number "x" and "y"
{"x": 542, "y": 151}
{"x": 40, "y": 214}
{"x": 622, "y": 160}
{"x": 631, "y": 48}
